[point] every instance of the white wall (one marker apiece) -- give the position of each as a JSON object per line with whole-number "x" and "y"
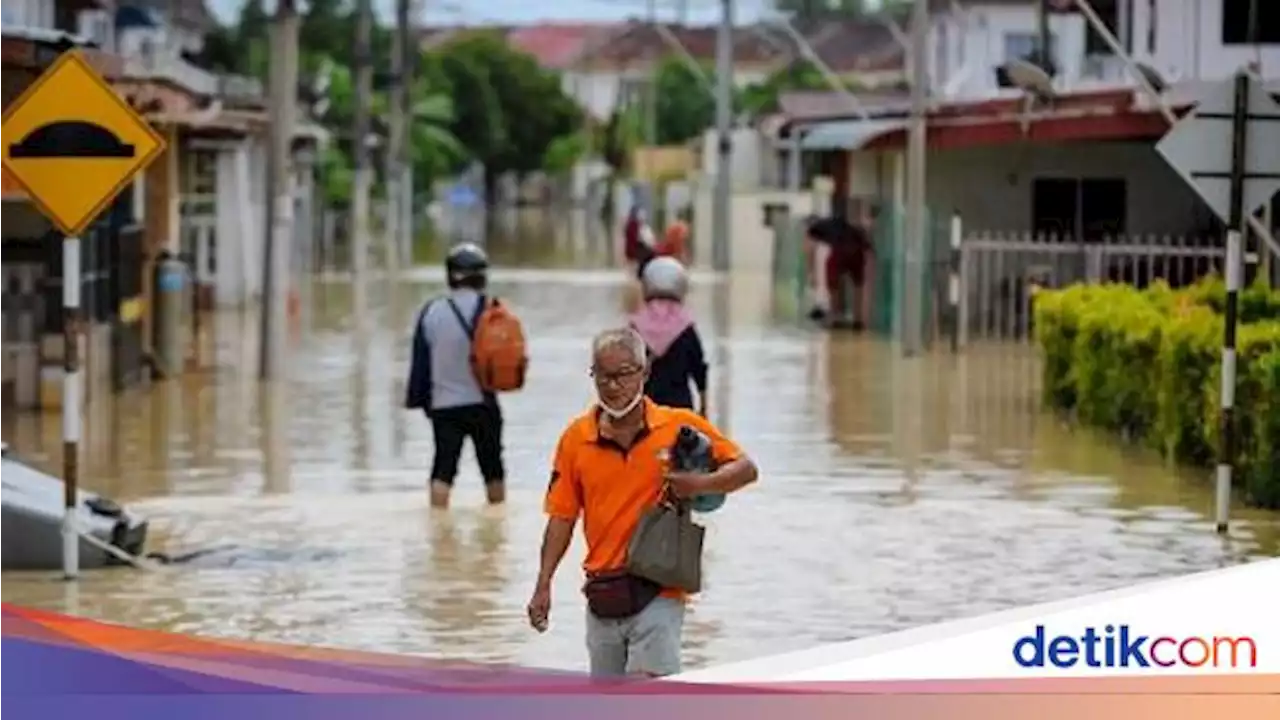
{"x": 991, "y": 187}
{"x": 29, "y": 13}
{"x": 965, "y": 48}
{"x": 1188, "y": 41}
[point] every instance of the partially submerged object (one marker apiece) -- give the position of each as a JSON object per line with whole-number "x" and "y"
{"x": 32, "y": 522}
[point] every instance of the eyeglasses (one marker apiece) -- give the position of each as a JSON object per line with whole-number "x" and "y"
{"x": 616, "y": 377}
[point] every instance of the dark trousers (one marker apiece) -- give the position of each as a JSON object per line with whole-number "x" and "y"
{"x": 452, "y": 426}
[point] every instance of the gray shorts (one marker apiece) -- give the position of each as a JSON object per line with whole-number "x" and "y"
{"x": 646, "y": 643}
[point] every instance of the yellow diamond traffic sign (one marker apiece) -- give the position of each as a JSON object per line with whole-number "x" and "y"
{"x": 74, "y": 144}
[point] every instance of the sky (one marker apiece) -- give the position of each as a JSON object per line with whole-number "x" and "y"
{"x": 472, "y": 12}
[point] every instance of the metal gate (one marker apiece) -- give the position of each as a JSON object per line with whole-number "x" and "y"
{"x": 997, "y": 273}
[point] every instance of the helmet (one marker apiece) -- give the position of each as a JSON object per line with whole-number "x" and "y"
{"x": 466, "y": 262}
{"x": 664, "y": 277}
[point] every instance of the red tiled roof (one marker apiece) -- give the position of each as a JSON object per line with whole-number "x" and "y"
{"x": 639, "y": 41}
{"x": 557, "y": 45}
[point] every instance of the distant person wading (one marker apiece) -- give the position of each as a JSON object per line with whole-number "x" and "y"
{"x": 611, "y": 469}
{"x": 838, "y": 250}
{"x": 466, "y": 349}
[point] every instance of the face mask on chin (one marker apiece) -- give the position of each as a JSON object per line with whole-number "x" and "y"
{"x": 617, "y": 414}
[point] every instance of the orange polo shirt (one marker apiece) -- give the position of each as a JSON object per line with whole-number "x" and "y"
{"x": 611, "y": 488}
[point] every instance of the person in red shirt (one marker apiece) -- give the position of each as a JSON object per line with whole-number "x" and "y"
{"x": 849, "y": 248}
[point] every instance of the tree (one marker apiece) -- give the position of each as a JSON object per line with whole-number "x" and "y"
{"x": 684, "y": 106}
{"x": 762, "y": 97}
{"x": 509, "y": 110}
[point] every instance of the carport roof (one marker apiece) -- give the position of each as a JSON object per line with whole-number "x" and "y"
{"x": 848, "y": 134}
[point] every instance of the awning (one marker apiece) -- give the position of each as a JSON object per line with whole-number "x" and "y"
{"x": 847, "y": 134}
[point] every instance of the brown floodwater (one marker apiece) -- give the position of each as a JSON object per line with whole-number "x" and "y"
{"x": 893, "y": 492}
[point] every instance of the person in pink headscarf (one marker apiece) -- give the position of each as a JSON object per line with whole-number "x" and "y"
{"x": 677, "y": 364}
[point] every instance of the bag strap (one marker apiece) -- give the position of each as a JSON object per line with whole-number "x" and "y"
{"x": 470, "y": 328}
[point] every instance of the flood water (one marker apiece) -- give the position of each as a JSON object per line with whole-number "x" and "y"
{"x": 893, "y": 493}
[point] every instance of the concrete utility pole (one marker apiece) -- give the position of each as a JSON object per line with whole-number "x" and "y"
{"x": 363, "y": 179}
{"x": 915, "y": 244}
{"x": 651, "y": 108}
{"x": 396, "y": 141}
{"x": 721, "y": 256}
{"x": 283, "y": 101}
{"x": 409, "y": 46}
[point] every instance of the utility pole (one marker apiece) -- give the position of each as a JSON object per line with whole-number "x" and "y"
{"x": 1046, "y": 52}
{"x": 396, "y": 141}
{"x": 724, "y": 119}
{"x": 651, "y": 112}
{"x": 283, "y": 101}
{"x": 409, "y": 48}
{"x": 362, "y": 181}
{"x": 915, "y": 225}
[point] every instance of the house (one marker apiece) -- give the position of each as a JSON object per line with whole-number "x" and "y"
{"x": 34, "y": 33}
{"x": 1064, "y": 182}
{"x": 996, "y": 154}
{"x": 206, "y": 186}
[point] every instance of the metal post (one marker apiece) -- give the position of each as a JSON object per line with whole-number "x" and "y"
{"x": 360, "y": 187}
{"x": 724, "y": 119}
{"x": 915, "y": 211}
{"x": 793, "y": 158}
{"x": 283, "y": 102}
{"x": 953, "y": 282}
{"x": 71, "y": 410}
{"x": 1227, "y": 446}
{"x": 1043, "y": 28}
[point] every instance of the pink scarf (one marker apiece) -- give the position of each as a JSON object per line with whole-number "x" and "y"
{"x": 660, "y": 322}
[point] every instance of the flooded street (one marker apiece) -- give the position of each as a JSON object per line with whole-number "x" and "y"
{"x": 892, "y": 493}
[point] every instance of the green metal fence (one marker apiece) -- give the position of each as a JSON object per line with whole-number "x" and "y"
{"x": 889, "y": 301}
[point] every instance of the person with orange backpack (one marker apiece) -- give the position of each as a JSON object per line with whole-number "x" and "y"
{"x": 467, "y": 348}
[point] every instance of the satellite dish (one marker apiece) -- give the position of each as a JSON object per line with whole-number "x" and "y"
{"x": 1030, "y": 77}
{"x": 1153, "y": 77}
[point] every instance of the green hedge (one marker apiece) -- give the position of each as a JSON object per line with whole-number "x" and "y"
{"x": 1147, "y": 364}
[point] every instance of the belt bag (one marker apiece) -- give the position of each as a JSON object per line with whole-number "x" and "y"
{"x": 617, "y": 595}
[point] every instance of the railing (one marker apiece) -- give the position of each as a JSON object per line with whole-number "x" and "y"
{"x": 997, "y": 273}
{"x": 237, "y": 88}
{"x": 978, "y": 286}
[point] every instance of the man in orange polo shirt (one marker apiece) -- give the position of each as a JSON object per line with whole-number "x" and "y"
{"x": 610, "y": 468}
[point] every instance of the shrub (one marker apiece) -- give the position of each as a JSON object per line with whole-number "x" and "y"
{"x": 1147, "y": 364}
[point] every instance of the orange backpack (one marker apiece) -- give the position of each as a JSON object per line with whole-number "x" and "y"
{"x": 499, "y": 358}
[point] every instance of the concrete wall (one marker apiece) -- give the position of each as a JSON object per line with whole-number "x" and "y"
{"x": 965, "y": 49}
{"x": 660, "y": 162}
{"x": 1188, "y": 41}
{"x": 991, "y": 187}
{"x": 30, "y": 13}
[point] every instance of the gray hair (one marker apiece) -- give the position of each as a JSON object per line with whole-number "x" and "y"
{"x": 621, "y": 337}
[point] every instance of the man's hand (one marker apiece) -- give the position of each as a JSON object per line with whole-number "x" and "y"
{"x": 686, "y": 485}
{"x": 540, "y": 607}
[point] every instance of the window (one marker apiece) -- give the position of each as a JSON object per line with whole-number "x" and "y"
{"x": 1022, "y": 45}
{"x": 1109, "y": 13}
{"x": 1249, "y": 22}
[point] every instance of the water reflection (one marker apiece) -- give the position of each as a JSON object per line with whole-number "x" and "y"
{"x": 894, "y": 492}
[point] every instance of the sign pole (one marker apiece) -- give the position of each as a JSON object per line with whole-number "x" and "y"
{"x": 1235, "y": 227}
{"x": 71, "y": 389}
{"x": 103, "y": 143}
